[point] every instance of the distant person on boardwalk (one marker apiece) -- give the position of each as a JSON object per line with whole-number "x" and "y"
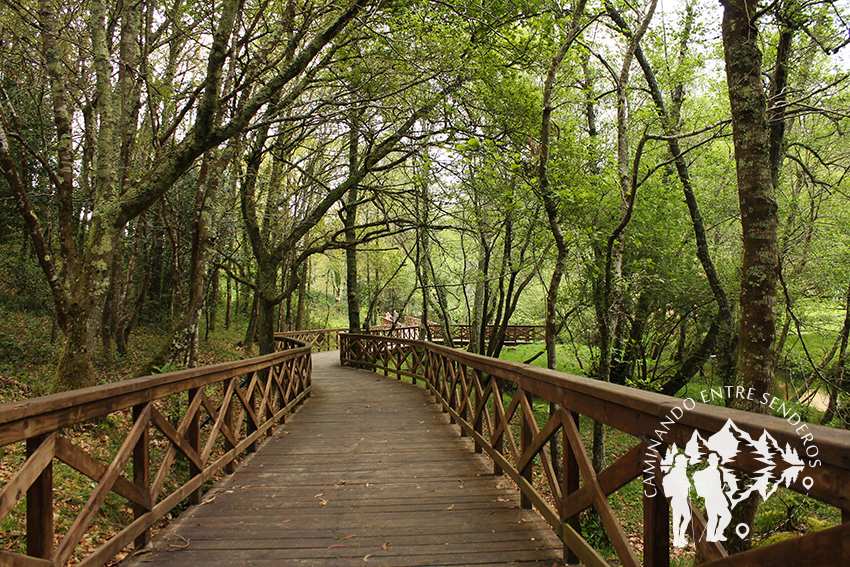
{"x": 395, "y": 315}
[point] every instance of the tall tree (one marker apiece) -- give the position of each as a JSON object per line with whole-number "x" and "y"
{"x": 759, "y": 216}
{"x": 80, "y": 296}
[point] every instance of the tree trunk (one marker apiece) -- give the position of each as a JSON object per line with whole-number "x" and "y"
{"x": 549, "y": 199}
{"x": 759, "y": 219}
{"x": 212, "y": 302}
{"x": 422, "y": 252}
{"x": 228, "y": 310}
{"x": 478, "y": 324}
{"x": 251, "y": 330}
{"x": 441, "y": 306}
{"x": 349, "y": 223}
{"x": 302, "y": 295}
{"x": 75, "y": 369}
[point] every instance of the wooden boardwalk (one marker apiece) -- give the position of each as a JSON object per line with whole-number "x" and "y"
{"x": 367, "y": 472}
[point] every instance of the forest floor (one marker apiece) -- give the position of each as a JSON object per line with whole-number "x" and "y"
{"x": 28, "y": 357}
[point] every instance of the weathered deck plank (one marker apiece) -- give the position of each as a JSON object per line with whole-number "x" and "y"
{"x": 368, "y": 472}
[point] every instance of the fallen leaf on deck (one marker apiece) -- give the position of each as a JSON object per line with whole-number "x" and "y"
{"x": 289, "y": 520}
{"x": 337, "y": 545}
{"x": 366, "y": 559}
{"x": 384, "y": 547}
{"x": 348, "y": 537}
{"x": 450, "y": 507}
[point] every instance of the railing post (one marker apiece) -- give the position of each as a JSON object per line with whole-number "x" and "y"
{"x": 429, "y": 368}
{"x": 463, "y": 398}
{"x": 526, "y": 435}
{"x": 500, "y": 444}
{"x": 570, "y": 484}
{"x": 308, "y": 381}
{"x": 142, "y": 475}
{"x": 250, "y": 426}
{"x": 40, "y": 508}
{"x": 477, "y": 426}
{"x": 194, "y": 439}
{"x": 656, "y": 521}
{"x": 447, "y": 390}
{"x": 228, "y": 422}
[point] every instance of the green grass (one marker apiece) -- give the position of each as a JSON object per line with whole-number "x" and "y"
{"x": 574, "y": 360}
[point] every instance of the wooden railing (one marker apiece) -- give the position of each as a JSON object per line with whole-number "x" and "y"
{"x": 328, "y": 339}
{"x": 397, "y": 332}
{"x": 492, "y": 402}
{"x": 206, "y": 416}
{"x": 321, "y": 339}
{"x": 514, "y": 334}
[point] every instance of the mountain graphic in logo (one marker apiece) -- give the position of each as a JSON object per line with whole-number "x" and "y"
{"x": 718, "y": 486}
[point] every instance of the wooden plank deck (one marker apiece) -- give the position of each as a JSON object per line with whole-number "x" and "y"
{"x": 367, "y": 472}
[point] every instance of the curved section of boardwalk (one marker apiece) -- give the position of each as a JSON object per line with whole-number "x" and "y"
{"x": 367, "y": 472}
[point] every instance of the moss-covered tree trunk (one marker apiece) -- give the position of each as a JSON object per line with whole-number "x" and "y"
{"x": 759, "y": 219}
{"x": 268, "y": 305}
{"x": 78, "y": 274}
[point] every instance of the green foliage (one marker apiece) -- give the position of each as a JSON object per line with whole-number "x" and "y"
{"x": 168, "y": 367}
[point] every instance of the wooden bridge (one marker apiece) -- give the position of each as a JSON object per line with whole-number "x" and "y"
{"x": 328, "y": 339}
{"x": 370, "y": 469}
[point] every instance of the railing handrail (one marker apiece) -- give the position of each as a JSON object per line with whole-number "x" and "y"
{"x": 659, "y": 405}
{"x": 289, "y": 334}
{"x": 328, "y": 339}
{"x": 704, "y": 417}
{"x": 636, "y": 412}
{"x": 211, "y": 428}
{"x": 64, "y": 407}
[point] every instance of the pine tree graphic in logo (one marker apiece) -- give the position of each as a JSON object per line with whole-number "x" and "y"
{"x": 718, "y": 486}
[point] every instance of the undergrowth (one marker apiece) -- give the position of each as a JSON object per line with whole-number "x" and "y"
{"x": 29, "y": 351}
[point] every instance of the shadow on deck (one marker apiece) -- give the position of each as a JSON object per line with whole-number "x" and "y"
{"x": 368, "y": 472}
